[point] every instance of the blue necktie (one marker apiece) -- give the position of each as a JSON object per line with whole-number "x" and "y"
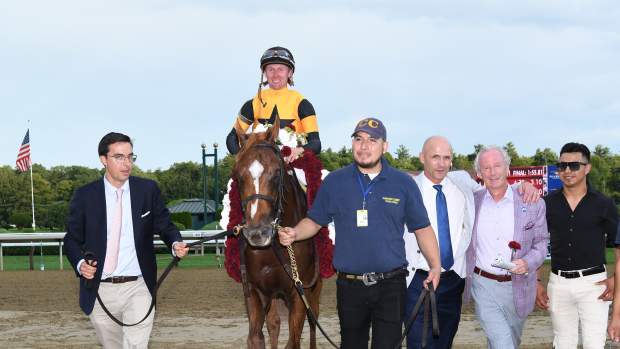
{"x": 443, "y": 227}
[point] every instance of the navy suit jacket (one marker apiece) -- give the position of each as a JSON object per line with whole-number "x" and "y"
{"x": 87, "y": 231}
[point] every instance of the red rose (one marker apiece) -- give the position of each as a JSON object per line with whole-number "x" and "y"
{"x": 292, "y": 127}
{"x": 514, "y": 245}
{"x": 286, "y": 151}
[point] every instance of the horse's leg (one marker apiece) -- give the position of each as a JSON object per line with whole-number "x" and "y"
{"x": 313, "y": 298}
{"x": 273, "y": 322}
{"x": 256, "y": 319}
{"x": 296, "y": 318}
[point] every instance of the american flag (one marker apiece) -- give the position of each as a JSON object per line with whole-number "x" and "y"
{"x": 23, "y": 156}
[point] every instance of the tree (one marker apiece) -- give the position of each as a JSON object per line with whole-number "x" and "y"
{"x": 602, "y": 151}
{"x": 600, "y": 173}
{"x": 403, "y": 161}
{"x": 461, "y": 162}
{"x": 21, "y": 218}
{"x": 544, "y": 157}
{"x": 182, "y": 180}
{"x": 472, "y": 156}
{"x": 515, "y": 159}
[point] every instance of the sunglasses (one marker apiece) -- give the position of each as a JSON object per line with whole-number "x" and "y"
{"x": 573, "y": 165}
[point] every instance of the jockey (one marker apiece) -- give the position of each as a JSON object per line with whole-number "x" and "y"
{"x": 297, "y": 115}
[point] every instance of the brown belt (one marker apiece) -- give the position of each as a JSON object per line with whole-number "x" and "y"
{"x": 120, "y": 279}
{"x": 498, "y": 278}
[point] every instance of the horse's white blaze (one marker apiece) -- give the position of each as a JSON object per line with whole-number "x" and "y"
{"x": 256, "y": 170}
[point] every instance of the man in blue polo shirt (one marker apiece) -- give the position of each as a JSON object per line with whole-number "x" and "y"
{"x": 369, "y": 202}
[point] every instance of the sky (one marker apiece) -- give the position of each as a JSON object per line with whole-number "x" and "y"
{"x": 174, "y": 74}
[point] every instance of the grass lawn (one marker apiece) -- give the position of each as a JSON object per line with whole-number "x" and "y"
{"x": 51, "y": 262}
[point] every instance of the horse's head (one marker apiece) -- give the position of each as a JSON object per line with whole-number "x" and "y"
{"x": 259, "y": 170}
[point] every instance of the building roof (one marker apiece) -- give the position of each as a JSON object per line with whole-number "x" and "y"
{"x": 192, "y": 206}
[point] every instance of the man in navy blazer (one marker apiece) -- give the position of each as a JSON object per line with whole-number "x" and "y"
{"x": 109, "y": 242}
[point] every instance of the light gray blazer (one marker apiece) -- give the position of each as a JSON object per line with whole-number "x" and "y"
{"x": 531, "y": 232}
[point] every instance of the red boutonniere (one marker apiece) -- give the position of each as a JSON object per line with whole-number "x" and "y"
{"x": 514, "y": 246}
{"x": 292, "y": 127}
{"x": 286, "y": 151}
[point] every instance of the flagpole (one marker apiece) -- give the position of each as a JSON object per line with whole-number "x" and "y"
{"x": 34, "y": 224}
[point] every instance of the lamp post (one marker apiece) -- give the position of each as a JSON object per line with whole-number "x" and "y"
{"x": 204, "y": 176}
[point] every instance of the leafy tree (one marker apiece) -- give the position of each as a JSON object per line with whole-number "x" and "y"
{"x": 544, "y": 157}
{"x": 472, "y": 156}
{"x": 515, "y": 159}
{"x": 21, "y": 218}
{"x": 185, "y": 218}
{"x": 600, "y": 174}
{"x": 55, "y": 186}
{"x": 602, "y": 151}
{"x": 182, "y": 180}
{"x": 462, "y": 162}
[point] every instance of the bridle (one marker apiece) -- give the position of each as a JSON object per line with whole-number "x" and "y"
{"x": 276, "y": 202}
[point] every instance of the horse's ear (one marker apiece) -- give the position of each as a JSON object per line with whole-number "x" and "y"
{"x": 241, "y": 136}
{"x": 274, "y": 130}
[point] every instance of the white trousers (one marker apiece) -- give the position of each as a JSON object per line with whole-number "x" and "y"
{"x": 128, "y": 302}
{"x": 574, "y": 304}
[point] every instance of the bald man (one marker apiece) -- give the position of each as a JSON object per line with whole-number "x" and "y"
{"x": 449, "y": 201}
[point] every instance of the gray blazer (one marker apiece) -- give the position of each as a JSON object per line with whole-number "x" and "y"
{"x": 531, "y": 232}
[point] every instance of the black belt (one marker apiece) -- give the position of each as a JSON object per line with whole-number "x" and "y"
{"x": 120, "y": 279}
{"x": 575, "y": 274}
{"x": 370, "y": 279}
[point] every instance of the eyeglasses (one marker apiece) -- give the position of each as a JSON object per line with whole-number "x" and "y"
{"x": 573, "y": 165}
{"x": 120, "y": 158}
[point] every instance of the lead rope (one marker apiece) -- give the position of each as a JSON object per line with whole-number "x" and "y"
{"x": 299, "y": 286}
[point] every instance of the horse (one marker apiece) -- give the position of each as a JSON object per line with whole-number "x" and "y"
{"x": 271, "y": 196}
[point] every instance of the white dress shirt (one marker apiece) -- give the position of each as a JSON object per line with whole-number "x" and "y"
{"x": 127, "y": 257}
{"x": 455, "y": 200}
{"x": 495, "y": 230}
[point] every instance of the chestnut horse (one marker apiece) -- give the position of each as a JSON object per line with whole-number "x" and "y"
{"x": 271, "y": 196}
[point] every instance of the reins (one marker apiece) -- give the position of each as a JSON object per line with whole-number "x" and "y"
{"x": 162, "y": 277}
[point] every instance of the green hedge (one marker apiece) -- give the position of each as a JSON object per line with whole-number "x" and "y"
{"x": 184, "y": 218}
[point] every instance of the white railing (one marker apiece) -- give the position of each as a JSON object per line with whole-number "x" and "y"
{"x": 12, "y": 240}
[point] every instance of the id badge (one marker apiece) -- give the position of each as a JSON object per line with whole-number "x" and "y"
{"x": 362, "y": 218}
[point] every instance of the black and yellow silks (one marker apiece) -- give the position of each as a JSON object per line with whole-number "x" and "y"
{"x": 289, "y": 105}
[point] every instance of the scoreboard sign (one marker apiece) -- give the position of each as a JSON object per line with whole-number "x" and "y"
{"x": 537, "y": 175}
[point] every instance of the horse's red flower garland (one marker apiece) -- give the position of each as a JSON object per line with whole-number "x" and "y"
{"x": 312, "y": 166}
{"x": 285, "y": 151}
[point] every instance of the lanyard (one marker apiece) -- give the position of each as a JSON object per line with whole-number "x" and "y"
{"x": 364, "y": 191}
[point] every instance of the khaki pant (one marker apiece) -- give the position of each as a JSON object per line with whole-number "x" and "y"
{"x": 128, "y": 302}
{"x": 574, "y": 303}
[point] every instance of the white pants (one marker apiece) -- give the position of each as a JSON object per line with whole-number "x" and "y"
{"x": 128, "y": 302}
{"x": 574, "y": 303}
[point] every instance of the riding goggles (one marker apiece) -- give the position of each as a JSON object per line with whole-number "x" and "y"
{"x": 283, "y": 54}
{"x": 573, "y": 165}
{"x": 277, "y": 56}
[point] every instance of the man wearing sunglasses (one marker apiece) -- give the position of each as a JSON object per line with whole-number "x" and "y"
{"x": 581, "y": 222}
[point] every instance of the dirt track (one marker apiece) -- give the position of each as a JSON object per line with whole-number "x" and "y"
{"x": 199, "y": 308}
